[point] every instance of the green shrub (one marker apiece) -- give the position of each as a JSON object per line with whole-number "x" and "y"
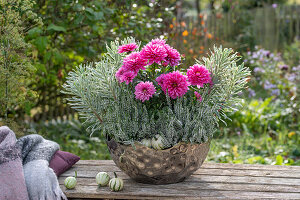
{"x": 16, "y": 17}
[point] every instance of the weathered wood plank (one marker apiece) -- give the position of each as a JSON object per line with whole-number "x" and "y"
{"x": 161, "y": 192}
{"x": 188, "y": 185}
{"x": 211, "y": 171}
{"x": 205, "y": 165}
{"x": 210, "y": 178}
{"x": 213, "y": 181}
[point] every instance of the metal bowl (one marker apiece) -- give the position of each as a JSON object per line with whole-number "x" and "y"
{"x": 147, "y": 165}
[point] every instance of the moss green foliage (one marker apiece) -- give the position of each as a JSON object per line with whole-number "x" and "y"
{"x": 16, "y": 17}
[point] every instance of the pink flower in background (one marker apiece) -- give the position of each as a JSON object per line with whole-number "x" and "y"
{"x": 155, "y": 53}
{"x": 127, "y": 48}
{"x": 134, "y": 62}
{"x": 175, "y": 84}
{"x": 198, "y": 96}
{"x": 198, "y": 75}
{"x": 158, "y": 41}
{"x": 144, "y": 91}
{"x": 120, "y": 73}
{"x": 160, "y": 79}
{"x": 128, "y": 77}
{"x": 173, "y": 56}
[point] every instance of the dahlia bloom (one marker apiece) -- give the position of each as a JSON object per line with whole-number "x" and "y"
{"x": 144, "y": 91}
{"x": 155, "y": 53}
{"x": 128, "y": 77}
{"x": 158, "y": 41}
{"x": 198, "y": 96}
{"x": 127, "y": 48}
{"x": 198, "y": 75}
{"x": 160, "y": 81}
{"x": 176, "y": 84}
{"x": 173, "y": 56}
{"x": 134, "y": 62}
{"x": 120, "y": 73}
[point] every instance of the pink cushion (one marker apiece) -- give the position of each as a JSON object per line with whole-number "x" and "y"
{"x": 62, "y": 161}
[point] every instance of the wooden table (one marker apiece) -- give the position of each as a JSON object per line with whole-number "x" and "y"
{"x": 211, "y": 181}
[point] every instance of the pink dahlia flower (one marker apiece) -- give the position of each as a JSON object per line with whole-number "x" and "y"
{"x": 176, "y": 84}
{"x": 198, "y": 96}
{"x": 127, "y": 77}
{"x": 144, "y": 91}
{"x": 120, "y": 73}
{"x": 127, "y": 48}
{"x": 158, "y": 41}
{"x": 198, "y": 75}
{"x": 173, "y": 56}
{"x": 160, "y": 81}
{"x": 134, "y": 62}
{"x": 155, "y": 53}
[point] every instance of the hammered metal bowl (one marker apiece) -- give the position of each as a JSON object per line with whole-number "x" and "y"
{"x": 147, "y": 165}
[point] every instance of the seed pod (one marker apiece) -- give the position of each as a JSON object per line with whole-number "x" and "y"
{"x": 157, "y": 142}
{"x": 146, "y": 142}
{"x": 70, "y": 182}
{"x": 116, "y": 184}
{"x": 102, "y": 178}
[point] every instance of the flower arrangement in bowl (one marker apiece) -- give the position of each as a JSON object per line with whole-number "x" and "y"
{"x": 158, "y": 115}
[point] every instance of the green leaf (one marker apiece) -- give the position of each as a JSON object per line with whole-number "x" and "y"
{"x": 78, "y": 7}
{"x": 41, "y": 43}
{"x": 58, "y": 57}
{"x": 41, "y": 68}
{"x": 89, "y": 10}
{"x": 279, "y": 160}
{"x": 255, "y": 159}
{"x": 47, "y": 56}
{"x": 98, "y": 15}
{"x": 237, "y": 162}
{"x": 296, "y": 152}
{"x": 33, "y": 33}
{"x": 78, "y": 19}
{"x": 56, "y": 28}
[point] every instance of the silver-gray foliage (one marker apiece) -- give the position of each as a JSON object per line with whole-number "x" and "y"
{"x": 110, "y": 107}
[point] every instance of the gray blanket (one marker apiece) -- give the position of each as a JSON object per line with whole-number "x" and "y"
{"x": 24, "y": 168}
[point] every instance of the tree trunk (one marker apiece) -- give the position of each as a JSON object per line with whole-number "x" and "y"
{"x": 198, "y": 6}
{"x": 212, "y": 6}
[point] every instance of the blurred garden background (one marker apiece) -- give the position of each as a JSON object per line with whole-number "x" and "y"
{"x": 41, "y": 41}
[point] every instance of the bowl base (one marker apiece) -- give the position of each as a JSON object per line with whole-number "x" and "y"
{"x": 147, "y": 165}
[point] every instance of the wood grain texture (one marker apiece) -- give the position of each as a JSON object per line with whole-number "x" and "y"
{"x": 211, "y": 181}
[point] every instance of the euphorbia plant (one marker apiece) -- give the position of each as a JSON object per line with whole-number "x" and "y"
{"x": 137, "y": 94}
